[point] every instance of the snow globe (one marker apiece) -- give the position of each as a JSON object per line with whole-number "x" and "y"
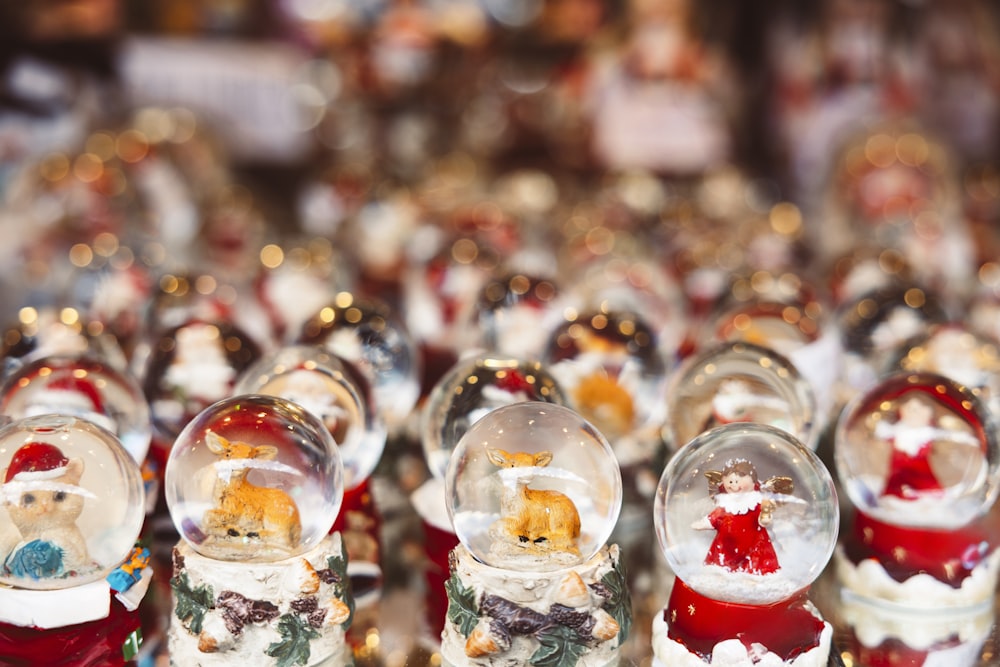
{"x": 796, "y": 328}
{"x": 739, "y": 383}
{"x": 191, "y": 366}
{"x": 47, "y": 331}
{"x": 533, "y": 492}
{"x": 367, "y": 334}
{"x": 474, "y": 387}
{"x": 516, "y": 311}
{"x": 958, "y": 352}
{"x": 72, "y": 577}
{"x": 83, "y": 387}
{"x": 747, "y": 518}
{"x": 331, "y": 389}
{"x": 918, "y": 457}
{"x": 874, "y": 325}
{"x": 253, "y": 485}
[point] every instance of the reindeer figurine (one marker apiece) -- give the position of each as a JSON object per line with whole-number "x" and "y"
{"x": 539, "y": 520}
{"x": 244, "y": 512}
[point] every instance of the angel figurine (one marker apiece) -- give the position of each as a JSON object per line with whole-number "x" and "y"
{"x": 912, "y": 437}
{"x": 742, "y": 513}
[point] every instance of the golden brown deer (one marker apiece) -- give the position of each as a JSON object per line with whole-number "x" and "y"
{"x": 540, "y": 520}
{"x": 245, "y": 513}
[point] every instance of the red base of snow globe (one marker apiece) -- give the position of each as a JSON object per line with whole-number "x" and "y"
{"x": 787, "y": 628}
{"x": 107, "y": 642}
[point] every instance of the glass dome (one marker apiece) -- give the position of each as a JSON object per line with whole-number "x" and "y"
{"x": 72, "y": 499}
{"x": 472, "y": 388}
{"x": 738, "y": 382}
{"x": 610, "y": 366}
{"x": 190, "y": 367}
{"x": 81, "y": 387}
{"x": 254, "y": 478}
{"x": 533, "y": 487}
{"x": 746, "y": 513}
{"x": 516, "y": 311}
{"x": 918, "y": 449}
{"x": 955, "y": 351}
{"x": 326, "y": 386}
{"x": 367, "y": 334}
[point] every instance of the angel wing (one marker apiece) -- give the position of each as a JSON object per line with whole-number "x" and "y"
{"x": 714, "y": 478}
{"x": 782, "y": 485}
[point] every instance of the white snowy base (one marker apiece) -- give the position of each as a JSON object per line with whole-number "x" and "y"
{"x": 732, "y": 652}
{"x": 868, "y": 579}
{"x": 280, "y": 584}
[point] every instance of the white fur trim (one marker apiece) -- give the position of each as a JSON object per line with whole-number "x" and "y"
{"x": 28, "y": 475}
{"x": 739, "y": 503}
{"x": 12, "y": 490}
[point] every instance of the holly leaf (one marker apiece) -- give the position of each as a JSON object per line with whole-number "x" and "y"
{"x": 462, "y": 608}
{"x": 293, "y": 649}
{"x": 559, "y": 646}
{"x": 343, "y": 589}
{"x": 192, "y": 603}
{"x": 619, "y": 605}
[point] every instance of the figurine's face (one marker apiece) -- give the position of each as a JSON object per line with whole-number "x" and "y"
{"x": 914, "y": 412}
{"x": 737, "y": 483}
{"x": 40, "y": 509}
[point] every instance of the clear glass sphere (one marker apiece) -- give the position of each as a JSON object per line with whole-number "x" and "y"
{"x": 746, "y": 513}
{"x": 957, "y": 352}
{"x": 190, "y": 367}
{"x": 918, "y": 449}
{"x": 73, "y": 502}
{"x": 81, "y": 387}
{"x": 472, "y": 388}
{"x": 368, "y": 335}
{"x": 738, "y": 382}
{"x": 254, "y": 478}
{"x": 610, "y": 366}
{"x": 328, "y": 387}
{"x": 533, "y": 487}
{"x": 516, "y": 311}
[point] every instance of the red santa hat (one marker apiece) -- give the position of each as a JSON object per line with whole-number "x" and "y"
{"x": 71, "y": 392}
{"x": 36, "y": 461}
{"x": 38, "y": 466}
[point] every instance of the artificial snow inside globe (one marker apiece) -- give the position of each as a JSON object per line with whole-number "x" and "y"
{"x": 534, "y": 491}
{"x": 918, "y": 457}
{"x": 325, "y": 385}
{"x": 747, "y": 518}
{"x": 739, "y": 382}
{"x": 254, "y": 484}
{"x": 332, "y": 389}
{"x": 83, "y": 387}
{"x": 475, "y": 386}
{"x": 72, "y": 508}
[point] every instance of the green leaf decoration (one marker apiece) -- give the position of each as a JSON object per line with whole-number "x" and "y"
{"x": 293, "y": 649}
{"x": 463, "y": 610}
{"x": 619, "y": 605}
{"x": 192, "y": 603}
{"x": 560, "y": 646}
{"x": 343, "y": 589}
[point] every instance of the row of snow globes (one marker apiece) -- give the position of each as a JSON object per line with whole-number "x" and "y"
{"x": 255, "y": 485}
{"x": 916, "y": 455}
